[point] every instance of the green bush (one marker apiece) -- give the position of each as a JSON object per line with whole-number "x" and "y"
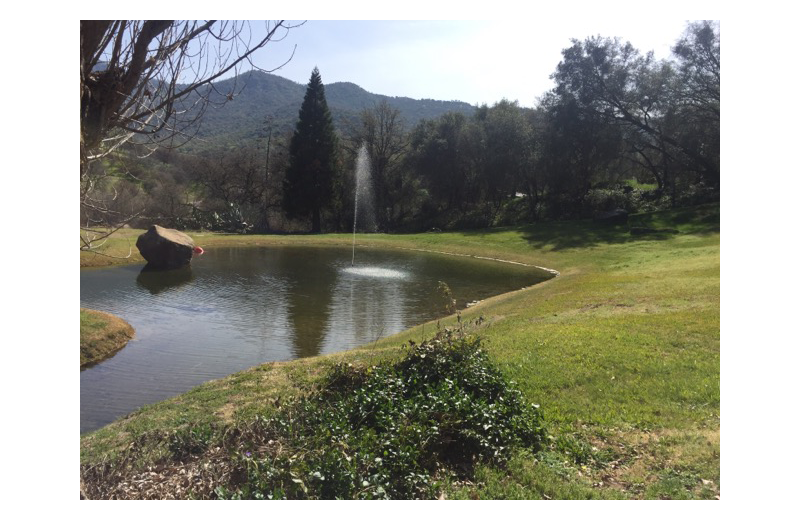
{"x": 391, "y": 430}
{"x": 228, "y": 220}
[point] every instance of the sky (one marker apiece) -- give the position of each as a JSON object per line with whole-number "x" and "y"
{"x": 476, "y": 61}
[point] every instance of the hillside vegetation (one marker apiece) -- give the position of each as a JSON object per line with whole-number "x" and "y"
{"x": 267, "y": 100}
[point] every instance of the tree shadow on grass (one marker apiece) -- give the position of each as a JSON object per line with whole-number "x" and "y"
{"x": 695, "y": 220}
{"x": 582, "y": 234}
{"x": 558, "y": 236}
{"x": 645, "y": 227}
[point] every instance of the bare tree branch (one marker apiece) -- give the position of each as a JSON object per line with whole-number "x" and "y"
{"x": 148, "y": 82}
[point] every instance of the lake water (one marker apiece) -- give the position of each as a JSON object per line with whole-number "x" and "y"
{"x": 237, "y": 307}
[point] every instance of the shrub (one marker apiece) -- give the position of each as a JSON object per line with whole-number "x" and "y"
{"x": 228, "y": 220}
{"x": 387, "y": 431}
{"x": 392, "y": 430}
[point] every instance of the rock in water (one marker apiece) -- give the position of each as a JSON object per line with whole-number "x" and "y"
{"x": 165, "y": 248}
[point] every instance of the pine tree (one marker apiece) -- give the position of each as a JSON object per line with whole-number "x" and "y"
{"x": 313, "y": 165}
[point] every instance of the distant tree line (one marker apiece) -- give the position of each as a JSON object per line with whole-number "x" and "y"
{"x": 619, "y": 130}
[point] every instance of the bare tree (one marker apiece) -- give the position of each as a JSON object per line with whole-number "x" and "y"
{"x": 149, "y": 82}
{"x": 382, "y": 130}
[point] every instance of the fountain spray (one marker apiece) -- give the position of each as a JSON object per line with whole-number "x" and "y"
{"x": 362, "y": 175}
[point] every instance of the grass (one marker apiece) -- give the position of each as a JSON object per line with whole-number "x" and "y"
{"x": 102, "y": 335}
{"x": 621, "y": 351}
{"x": 640, "y": 185}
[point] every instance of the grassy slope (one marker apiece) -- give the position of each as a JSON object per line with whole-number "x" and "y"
{"x": 621, "y": 351}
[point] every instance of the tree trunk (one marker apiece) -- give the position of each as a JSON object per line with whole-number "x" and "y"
{"x": 316, "y": 226}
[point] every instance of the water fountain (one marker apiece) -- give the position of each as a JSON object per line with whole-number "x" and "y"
{"x": 363, "y": 198}
{"x": 363, "y": 191}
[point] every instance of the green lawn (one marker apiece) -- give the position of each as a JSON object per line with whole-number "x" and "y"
{"x": 621, "y": 351}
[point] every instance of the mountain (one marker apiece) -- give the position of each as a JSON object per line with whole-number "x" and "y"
{"x": 262, "y": 96}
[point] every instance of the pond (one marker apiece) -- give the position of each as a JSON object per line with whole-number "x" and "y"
{"x": 237, "y": 307}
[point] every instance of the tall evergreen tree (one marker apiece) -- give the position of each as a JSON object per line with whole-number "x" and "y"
{"x": 313, "y": 165}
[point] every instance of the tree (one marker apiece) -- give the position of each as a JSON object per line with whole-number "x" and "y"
{"x": 436, "y": 155}
{"x": 656, "y": 107}
{"x": 148, "y": 82}
{"x": 233, "y": 179}
{"x": 382, "y": 130}
{"x": 509, "y": 150}
{"x": 313, "y": 159}
{"x": 698, "y": 53}
{"x": 577, "y": 149}
{"x": 697, "y": 95}
{"x": 533, "y": 182}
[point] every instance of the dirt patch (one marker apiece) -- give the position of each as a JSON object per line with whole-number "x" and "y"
{"x": 636, "y": 460}
{"x": 226, "y": 412}
{"x": 195, "y": 478}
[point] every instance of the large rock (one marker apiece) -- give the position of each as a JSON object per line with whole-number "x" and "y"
{"x": 165, "y": 248}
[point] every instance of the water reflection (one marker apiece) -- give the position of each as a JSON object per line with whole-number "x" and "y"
{"x": 308, "y": 301}
{"x": 375, "y": 307}
{"x": 236, "y": 308}
{"x": 157, "y": 280}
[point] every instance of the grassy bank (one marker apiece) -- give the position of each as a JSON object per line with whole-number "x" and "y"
{"x": 102, "y": 335}
{"x": 621, "y": 352}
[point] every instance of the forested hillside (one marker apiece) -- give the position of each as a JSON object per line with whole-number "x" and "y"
{"x": 262, "y": 101}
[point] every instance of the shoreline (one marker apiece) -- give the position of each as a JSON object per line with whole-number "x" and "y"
{"x": 118, "y": 340}
{"x": 102, "y": 335}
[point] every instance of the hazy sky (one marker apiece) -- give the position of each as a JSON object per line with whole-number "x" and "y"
{"x": 472, "y": 61}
